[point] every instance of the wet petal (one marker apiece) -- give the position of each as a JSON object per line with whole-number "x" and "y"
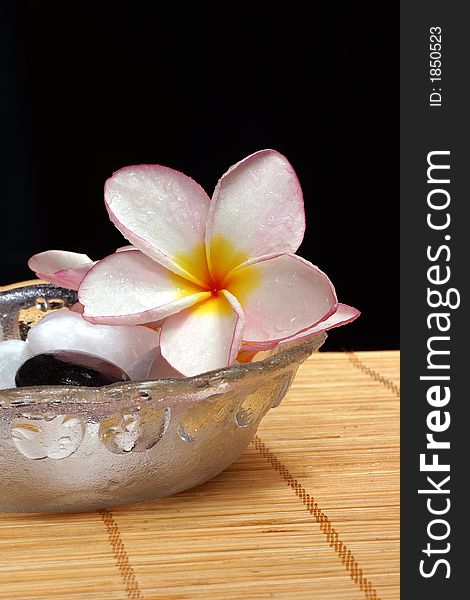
{"x": 129, "y": 288}
{"x": 257, "y": 209}
{"x": 13, "y": 353}
{"x": 281, "y": 296}
{"x": 163, "y": 213}
{"x": 204, "y": 337}
{"x": 67, "y": 330}
{"x": 344, "y": 314}
{"x": 66, "y": 269}
{"x": 126, "y": 248}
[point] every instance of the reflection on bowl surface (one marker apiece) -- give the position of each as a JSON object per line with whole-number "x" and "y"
{"x": 78, "y": 448}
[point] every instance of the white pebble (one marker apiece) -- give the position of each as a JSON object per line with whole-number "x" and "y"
{"x": 122, "y": 345}
{"x": 13, "y": 353}
{"x": 152, "y": 365}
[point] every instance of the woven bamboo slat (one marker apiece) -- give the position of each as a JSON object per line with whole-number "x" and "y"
{"x": 311, "y": 510}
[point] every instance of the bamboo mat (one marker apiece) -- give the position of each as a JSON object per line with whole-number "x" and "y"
{"x": 310, "y": 510}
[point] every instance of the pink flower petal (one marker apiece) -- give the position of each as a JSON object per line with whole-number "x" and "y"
{"x": 281, "y": 296}
{"x": 67, "y": 330}
{"x": 204, "y": 337}
{"x": 126, "y": 248}
{"x": 257, "y": 210}
{"x": 344, "y": 314}
{"x": 66, "y": 269}
{"x": 129, "y": 288}
{"x": 162, "y": 213}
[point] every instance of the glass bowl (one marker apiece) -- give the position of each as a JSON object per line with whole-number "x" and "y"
{"x": 77, "y": 448}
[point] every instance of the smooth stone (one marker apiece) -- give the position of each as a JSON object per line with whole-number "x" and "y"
{"x": 13, "y": 353}
{"x": 152, "y": 365}
{"x": 121, "y": 345}
{"x": 67, "y": 367}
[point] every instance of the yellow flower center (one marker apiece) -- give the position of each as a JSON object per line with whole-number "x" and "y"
{"x": 215, "y": 273}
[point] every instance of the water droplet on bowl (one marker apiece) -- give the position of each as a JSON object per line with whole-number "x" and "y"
{"x": 244, "y": 417}
{"x": 57, "y": 437}
{"x": 253, "y": 407}
{"x": 203, "y": 419}
{"x": 136, "y": 428}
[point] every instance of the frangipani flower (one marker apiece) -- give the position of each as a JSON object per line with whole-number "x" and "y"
{"x": 217, "y": 274}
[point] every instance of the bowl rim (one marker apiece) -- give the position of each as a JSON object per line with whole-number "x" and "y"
{"x": 297, "y": 352}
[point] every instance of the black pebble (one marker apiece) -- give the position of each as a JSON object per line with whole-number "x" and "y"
{"x": 66, "y": 367}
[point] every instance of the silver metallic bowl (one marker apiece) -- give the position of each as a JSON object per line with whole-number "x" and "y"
{"x": 79, "y": 448}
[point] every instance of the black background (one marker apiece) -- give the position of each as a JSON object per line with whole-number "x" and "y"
{"x": 89, "y": 87}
